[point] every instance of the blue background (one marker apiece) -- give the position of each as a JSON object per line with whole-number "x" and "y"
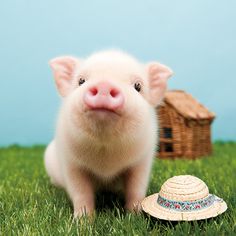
{"x": 196, "y": 38}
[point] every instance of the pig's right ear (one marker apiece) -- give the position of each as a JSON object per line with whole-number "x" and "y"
{"x": 63, "y": 70}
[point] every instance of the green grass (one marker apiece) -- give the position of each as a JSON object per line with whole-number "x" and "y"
{"x": 30, "y": 205}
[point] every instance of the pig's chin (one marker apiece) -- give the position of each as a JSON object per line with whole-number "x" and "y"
{"x": 101, "y": 124}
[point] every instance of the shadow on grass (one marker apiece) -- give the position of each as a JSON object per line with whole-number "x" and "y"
{"x": 107, "y": 200}
{"x": 192, "y": 227}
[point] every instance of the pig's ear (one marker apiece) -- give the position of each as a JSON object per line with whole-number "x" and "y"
{"x": 158, "y": 75}
{"x": 63, "y": 70}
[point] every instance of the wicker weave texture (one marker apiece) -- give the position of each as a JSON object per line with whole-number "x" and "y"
{"x": 183, "y": 133}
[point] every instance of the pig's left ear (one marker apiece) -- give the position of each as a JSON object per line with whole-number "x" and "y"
{"x": 63, "y": 70}
{"x": 158, "y": 74}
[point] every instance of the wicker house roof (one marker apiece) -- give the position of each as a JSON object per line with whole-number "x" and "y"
{"x": 187, "y": 106}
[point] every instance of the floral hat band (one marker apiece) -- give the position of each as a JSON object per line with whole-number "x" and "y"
{"x": 187, "y": 205}
{"x": 183, "y": 197}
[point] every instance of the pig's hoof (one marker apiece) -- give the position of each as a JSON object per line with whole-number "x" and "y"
{"x": 134, "y": 207}
{"x": 83, "y": 213}
{"x": 84, "y": 220}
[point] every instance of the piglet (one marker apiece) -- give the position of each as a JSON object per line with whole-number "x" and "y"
{"x": 106, "y": 133}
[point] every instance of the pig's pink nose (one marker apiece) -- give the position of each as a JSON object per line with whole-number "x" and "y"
{"x": 104, "y": 96}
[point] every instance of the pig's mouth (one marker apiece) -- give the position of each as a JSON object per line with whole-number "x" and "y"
{"x": 104, "y": 111}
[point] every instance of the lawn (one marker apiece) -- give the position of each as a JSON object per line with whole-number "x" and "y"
{"x": 29, "y": 205}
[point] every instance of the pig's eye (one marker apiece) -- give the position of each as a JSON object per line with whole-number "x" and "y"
{"x": 81, "y": 81}
{"x": 137, "y": 86}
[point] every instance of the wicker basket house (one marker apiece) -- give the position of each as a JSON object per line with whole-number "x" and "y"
{"x": 184, "y": 126}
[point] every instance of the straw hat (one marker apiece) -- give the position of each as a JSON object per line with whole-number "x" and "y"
{"x": 183, "y": 197}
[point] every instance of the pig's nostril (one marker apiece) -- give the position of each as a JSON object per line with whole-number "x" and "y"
{"x": 114, "y": 93}
{"x": 104, "y": 95}
{"x": 93, "y": 91}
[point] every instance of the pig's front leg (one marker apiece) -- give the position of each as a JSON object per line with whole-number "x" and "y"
{"x": 80, "y": 189}
{"x": 136, "y": 182}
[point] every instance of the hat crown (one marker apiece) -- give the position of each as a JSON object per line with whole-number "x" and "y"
{"x": 184, "y": 188}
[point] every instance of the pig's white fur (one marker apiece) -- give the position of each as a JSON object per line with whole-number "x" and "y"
{"x": 89, "y": 153}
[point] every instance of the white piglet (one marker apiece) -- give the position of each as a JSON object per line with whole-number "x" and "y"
{"x": 106, "y": 133}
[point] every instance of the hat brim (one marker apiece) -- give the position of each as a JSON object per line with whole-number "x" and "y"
{"x": 150, "y": 206}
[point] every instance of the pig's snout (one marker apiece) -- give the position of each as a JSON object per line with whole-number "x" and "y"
{"x": 104, "y": 96}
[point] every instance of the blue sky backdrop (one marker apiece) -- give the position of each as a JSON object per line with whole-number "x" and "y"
{"x": 196, "y": 38}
